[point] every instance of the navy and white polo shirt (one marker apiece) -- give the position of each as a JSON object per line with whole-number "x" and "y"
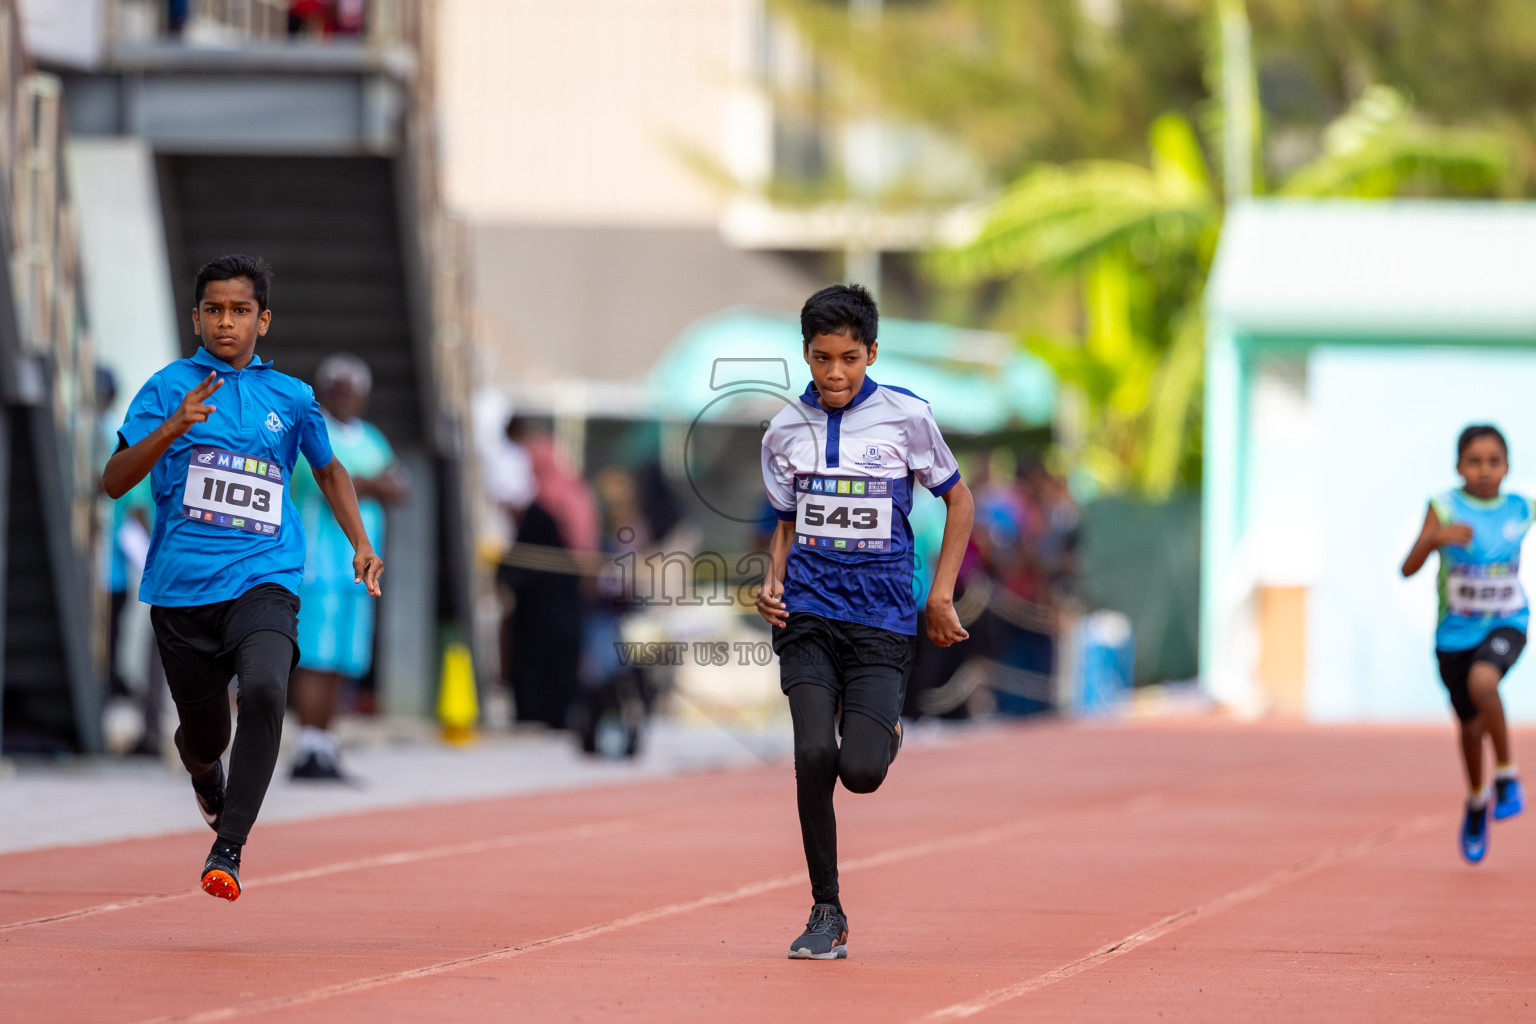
{"x": 224, "y": 518}
{"x": 845, "y": 479}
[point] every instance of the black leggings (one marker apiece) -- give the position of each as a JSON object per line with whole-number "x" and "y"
{"x": 262, "y": 661}
{"x": 861, "y": 762}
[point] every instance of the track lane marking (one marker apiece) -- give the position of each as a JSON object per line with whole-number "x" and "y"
{"x": 503, "y": 842}
{"x": 979, "y": 837}
{"x": 1173, "y": 922}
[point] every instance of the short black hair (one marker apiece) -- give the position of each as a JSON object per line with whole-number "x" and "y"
{"x": 227, "y": 268}
{"x": 841, "y": 308}
{"x": 1476, "y": 431}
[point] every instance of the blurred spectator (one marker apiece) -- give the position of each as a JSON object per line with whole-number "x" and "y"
{"x": 319, "y": 18}
{"x": 508, "y": 472}
{"x": 1016, "y": 569}
{"x": 546, "y": 625}
{"x": 336, "y": 615}
{"x": 1056, "y": 542}
{"x": 612, "y": 698}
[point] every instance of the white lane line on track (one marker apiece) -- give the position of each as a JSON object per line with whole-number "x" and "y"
{"x": 1173, "y": 922}
{"x": 1022, "y": 826}
{"x": 504, "y": 842}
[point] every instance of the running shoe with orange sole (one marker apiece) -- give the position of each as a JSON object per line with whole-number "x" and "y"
{"x": 221, "y": 871}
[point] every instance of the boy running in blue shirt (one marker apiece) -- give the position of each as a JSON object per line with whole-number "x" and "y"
{"x": 1483, "y": 616}
{"x": 839, "y": 467}
{"x": 227, "y": 551}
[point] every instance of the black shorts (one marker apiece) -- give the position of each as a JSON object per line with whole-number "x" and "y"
{"x": 199, "y": 641}
{"x": 1501, "y": 649}
{"x": 866, "y": 667}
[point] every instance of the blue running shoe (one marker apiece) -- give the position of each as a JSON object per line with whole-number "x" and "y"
{"x": 1508, "y": 798}
{"x": 1474, "y": 834}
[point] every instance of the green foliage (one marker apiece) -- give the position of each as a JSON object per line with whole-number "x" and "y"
{"x": 1141, "y": 240}
{"x": 1089, "y": 120}
{"x": 1379, "y": 149}
{"x": 1012, "y": 81}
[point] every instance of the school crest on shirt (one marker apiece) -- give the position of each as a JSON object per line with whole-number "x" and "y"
{"x": 869, "y": 455}
{"x": 274, "y": 423}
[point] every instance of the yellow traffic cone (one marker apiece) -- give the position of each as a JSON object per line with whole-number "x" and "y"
{"x": 458, "y": 706}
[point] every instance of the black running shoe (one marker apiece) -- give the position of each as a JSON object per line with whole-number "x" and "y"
{"x": 221, "y": 871}
{"x": 825, "y": 938}
{"x": 210, "y": 797}
{"x": 318, "y": 767}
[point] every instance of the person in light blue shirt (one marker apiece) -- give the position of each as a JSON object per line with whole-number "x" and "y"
{"x": 1483, "y": 616}
{"x": 336, "y": 620}
{"x": 218, "y": 435}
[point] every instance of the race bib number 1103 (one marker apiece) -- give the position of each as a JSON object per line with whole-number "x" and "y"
{"x": 237, "y": 491}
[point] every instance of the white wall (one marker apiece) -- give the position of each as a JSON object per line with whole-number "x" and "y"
{"x": 574, "y": 111}
{"x": 1388, "y": 420}
{"x": 128, "y": 294}
{"x": 68, "y": 32}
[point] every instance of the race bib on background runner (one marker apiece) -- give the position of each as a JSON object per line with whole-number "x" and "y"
{"x": 237, "y": 491}
{"x": 1476, "y": 591}
{"x": 843, "y": 513}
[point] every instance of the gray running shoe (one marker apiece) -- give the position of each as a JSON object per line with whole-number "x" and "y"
{"x": 825, "y": 938}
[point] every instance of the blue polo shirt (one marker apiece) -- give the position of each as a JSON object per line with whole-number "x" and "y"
{"x": 224, "y": 514}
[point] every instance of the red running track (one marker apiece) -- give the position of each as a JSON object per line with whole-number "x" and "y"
{"x": 1194, "y": 870}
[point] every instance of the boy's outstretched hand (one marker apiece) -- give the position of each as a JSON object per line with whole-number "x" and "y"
{"x": 367, "y": 566}
{"x": 770, "y": 603}
{"x": 944, "y": 626}
{"x": 193, "y": 408}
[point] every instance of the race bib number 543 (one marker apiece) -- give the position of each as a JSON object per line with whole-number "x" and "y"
{"x": 233, "y": 490}
{"x": 842, "y": 513}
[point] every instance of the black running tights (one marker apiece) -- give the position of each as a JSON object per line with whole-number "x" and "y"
{"x": 861, "y": 762}
{"x": 262, "y": 661}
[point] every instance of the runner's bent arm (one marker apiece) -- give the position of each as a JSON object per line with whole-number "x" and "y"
{"x": 960, "y": 512}
{"x": 336, "y": 484}
{"x": 770, "y": 596}
{"x": 1432, "y": 537}
{"x": 129, "y": 465}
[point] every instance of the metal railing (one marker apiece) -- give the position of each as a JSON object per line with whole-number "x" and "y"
{"x": 56, "y": 364}
{"x": 238, "y": 22}
{"x": 47, "y": 366}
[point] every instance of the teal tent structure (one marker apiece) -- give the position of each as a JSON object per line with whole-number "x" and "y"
{"x": 977, "y": 381}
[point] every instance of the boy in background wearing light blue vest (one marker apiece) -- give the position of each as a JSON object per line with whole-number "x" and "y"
{"x": 1483, "y": 616}
{"x": 227, "y": 551}
{"x": 336, "y": 619}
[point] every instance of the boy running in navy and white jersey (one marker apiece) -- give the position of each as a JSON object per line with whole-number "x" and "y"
{"x": 227, "y": 551}
{"x": 839, "y": 467}
{"x": 1483, "y": 616}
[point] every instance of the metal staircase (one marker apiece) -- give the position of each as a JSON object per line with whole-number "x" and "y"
{"x": 49, "y": 691}
{"x": 320, "y": 158}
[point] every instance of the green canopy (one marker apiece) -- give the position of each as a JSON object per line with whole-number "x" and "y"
{"x": 976, "y": 381}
